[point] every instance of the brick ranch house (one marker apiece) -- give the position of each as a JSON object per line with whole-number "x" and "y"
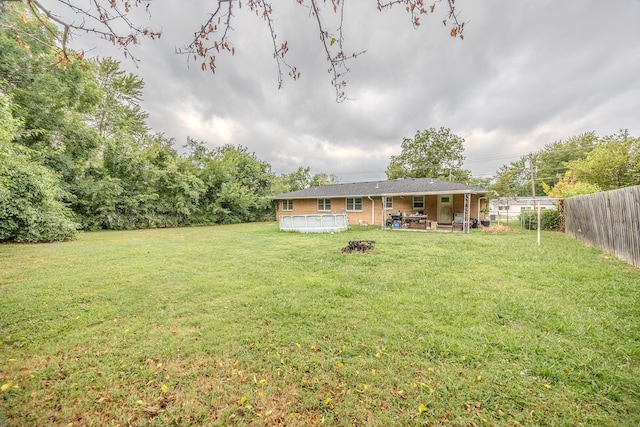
{"x": 421, "y": 203}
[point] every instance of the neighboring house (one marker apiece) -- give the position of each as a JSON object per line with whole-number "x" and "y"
{"x": 513, "y": 207}
{"x": 423, "y": 203}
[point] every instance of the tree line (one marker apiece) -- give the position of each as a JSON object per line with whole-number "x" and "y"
{"x": 581, "y": 164}
{"x": 76, "y": 154}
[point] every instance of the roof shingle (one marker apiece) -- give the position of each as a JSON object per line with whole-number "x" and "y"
{"x": 396, "y": 187}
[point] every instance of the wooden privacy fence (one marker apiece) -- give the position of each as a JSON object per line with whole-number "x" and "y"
{"x": 609, "y": 221}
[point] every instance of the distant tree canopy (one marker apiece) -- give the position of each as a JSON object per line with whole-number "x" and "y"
{"x": 432, "y": 153}
{"x": 579, "y": 165}
{"x": 111, "y": 20}
{"x": 301, "y": 178}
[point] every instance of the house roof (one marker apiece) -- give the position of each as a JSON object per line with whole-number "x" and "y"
{"x": 396, "y": 187}
{"x": 524, "y": 200}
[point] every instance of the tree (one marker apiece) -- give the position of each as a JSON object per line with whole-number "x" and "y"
{"x": 549, "y": 164}
{"x": 30, "y": 206}
{"x": 237, "y": 186}
{"x": 552, "y": 161}
{"x": 569, "y": 186}
{"x": 513, "y": 180}
{"x": 110, "y": 20}
{"x": 294, "y": 181}
{"x": 323, "y": 179}
{"x": 431, "y": 153}
{"x": 118, "y": 107}
{"x": 300, "y": 179}
{"x": 83, "y": 123}
{"x": 154, "y": 187}
{"x": 613, "y": 163}
{"x": 479, "y": 181}
{"x": 75, "y": 144}
{"x": 175, "y": 181}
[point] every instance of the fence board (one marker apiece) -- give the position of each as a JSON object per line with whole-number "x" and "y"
{"x": 609, "y": 221}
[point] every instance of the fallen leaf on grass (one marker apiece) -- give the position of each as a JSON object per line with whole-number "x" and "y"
{"x": 152, "y": 410}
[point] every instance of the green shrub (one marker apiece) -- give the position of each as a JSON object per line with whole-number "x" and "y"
{"x": 529, "y": 220}
{"x": 30, "y": 209}
{"x": 550, "y": 220}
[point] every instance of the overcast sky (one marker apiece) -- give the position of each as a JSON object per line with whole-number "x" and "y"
{"x": 527, "y": 73}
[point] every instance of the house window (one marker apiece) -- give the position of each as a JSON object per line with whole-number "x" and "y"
{"x": 354, "y": 203}
{"x": 388, "y": 203}
{"x": 418, "y": 202}
{"x": 324, "y": 204}
{"x": 503, "y": 208}
{"x": 287, "y": 205}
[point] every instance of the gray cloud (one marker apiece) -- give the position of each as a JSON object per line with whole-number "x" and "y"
{"x": 526, "y": 74}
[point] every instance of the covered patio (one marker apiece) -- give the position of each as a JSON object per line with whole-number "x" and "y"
{"x": 438, "y": 215}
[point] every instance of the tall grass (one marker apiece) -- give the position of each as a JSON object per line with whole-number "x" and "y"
{"x": 247, "y": 325}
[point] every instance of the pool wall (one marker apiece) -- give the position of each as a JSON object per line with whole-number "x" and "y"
{"x": 320, "y": 223}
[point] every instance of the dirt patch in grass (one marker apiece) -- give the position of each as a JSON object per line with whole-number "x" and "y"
{"x": 497, "y": 229}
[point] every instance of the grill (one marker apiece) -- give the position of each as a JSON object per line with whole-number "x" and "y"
{"x": 394, "y": 217}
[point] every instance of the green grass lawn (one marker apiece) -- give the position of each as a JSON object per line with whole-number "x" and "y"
{"x": 247, "y": 325}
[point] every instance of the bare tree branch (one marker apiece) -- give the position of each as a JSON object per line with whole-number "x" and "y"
{"x": 100, "y": 17}
{"x": 214, "y": 34}
{"x": 416, "y": 8}
{"x": 337, "y": 62}
{"x": 97, "y": 19}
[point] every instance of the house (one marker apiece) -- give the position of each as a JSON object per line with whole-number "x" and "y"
{"x": 420, "y": 203}
{"x": 513, "y": 207}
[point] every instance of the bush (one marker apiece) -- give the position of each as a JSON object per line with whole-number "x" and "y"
{"x": 529, "y": 220}
{"x": 30, "y": 209}
{"x": 551, "y": 220}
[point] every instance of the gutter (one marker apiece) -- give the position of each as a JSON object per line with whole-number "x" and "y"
{"x": 332, "y": 196}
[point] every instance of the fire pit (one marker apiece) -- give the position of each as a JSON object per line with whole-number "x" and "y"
{"x": 359, "y": 246}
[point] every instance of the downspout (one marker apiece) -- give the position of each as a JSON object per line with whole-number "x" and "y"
{"x": 373, "y": 211}
{"x": 383, "y": 224}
